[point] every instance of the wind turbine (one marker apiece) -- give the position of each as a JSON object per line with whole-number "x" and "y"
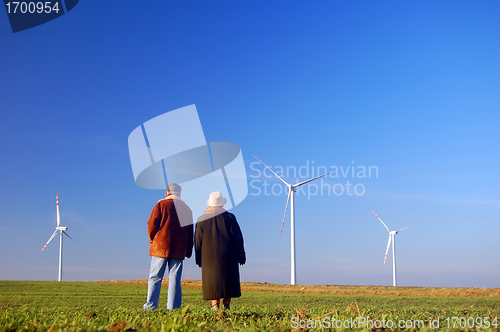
{"x": 391, "y": 237}
{"x": 61, "y": 230}
{"x": 291, "y": 193}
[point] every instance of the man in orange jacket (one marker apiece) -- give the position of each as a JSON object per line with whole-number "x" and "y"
{"x": 170, "y": 230}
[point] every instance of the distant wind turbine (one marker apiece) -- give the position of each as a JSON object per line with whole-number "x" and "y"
{"x": 61, "y": 230}
{"x": 291, "y": 193}
{"x": 391, "y": 237}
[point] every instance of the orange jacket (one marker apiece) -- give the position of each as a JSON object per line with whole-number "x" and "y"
{"x": 167, "y": 237}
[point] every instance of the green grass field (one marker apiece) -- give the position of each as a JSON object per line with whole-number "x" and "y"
{"x": 90, "y": 306}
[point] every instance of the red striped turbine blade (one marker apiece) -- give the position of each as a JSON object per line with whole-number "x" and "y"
{"x": 53, "y": 235}
{"x": 286, "y": 208}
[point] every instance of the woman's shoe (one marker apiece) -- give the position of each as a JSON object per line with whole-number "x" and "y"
{"x": 226, "y": 307}
{"x": 215, "y": 307}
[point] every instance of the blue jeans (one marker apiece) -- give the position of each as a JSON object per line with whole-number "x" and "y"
{"x": 156, "y": 273}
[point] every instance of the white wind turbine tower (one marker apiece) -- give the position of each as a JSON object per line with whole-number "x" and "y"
{"x": 291, "y": 193}
{"x": 61, "y": 230}
{"x": 391, "y": 237}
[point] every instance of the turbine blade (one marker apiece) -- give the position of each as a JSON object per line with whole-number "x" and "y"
{"x": 288, "y": 185}
{"x": 387, "y": 250}
{"x": 405, "y": 228}
{"x": 301, "y": 183}
{"x": 68, "y": 235}
{"x": 53, "y": 235}
{"x": 381, "y": 221}
{"x": 58, "y": 216}
{"x": 286, "y": 208}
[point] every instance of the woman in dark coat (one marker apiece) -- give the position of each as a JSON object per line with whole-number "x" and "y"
{"x": 218, "y": 250}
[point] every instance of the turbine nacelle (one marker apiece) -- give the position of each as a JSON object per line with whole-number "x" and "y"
{"x": 61, "y": 228}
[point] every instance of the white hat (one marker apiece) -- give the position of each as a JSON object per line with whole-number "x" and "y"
{"x": 173, "y": 188}
{"x": 216, "y": 199}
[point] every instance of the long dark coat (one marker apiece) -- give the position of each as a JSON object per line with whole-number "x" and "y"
{"x": 218, "y": 250}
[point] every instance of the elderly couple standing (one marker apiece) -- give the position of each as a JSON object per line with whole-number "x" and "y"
{"x": 218, "y": 249}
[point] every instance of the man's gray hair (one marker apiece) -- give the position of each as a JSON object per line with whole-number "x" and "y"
{"x": 174, "y": 189}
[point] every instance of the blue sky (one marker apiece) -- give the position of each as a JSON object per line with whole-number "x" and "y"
{"x": 409, "y": 87}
